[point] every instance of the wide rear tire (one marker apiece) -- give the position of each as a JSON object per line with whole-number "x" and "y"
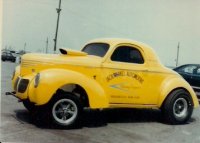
{"x": 178, "y": 107}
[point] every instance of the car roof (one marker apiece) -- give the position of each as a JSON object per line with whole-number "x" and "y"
{"x": 150, "y": 54}
{"x": 189, "y": 65}
{"x": 185, "y": 65}
{"x": 119, "y": 41}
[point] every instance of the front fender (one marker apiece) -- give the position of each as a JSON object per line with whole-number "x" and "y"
{"x": 53, "y": 79}
{"x": 174, "y": 83}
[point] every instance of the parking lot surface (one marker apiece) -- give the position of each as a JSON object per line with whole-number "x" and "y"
{"x": 107, "y": 126}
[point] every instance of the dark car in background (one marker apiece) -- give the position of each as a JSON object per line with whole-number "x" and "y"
{"x": 6, "y": 56}
{"x": 191, "y": 73}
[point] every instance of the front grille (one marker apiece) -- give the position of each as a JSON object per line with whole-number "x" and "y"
{"x": 22, "y": 86}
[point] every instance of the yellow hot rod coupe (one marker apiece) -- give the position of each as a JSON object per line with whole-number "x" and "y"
{"x": 107, "y": 73}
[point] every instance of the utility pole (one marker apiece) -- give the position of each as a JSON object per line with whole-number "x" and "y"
{"x": 47, "y": 44}
{"x": 24, "y": 47}
{"x": 177, "y": 54}
{"x": 55, "y": 40}
{"x": 9, "y": 48}
{"x": 6, "y": 48}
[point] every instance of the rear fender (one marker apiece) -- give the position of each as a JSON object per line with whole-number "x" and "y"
{"x": 171, "y": 84}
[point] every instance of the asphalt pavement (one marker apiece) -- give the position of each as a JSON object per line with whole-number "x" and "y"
{"x": 107, "y": 126}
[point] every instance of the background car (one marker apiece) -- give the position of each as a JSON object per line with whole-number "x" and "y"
{"x": 191, "y": 73}
{"x": 8, "y": 57}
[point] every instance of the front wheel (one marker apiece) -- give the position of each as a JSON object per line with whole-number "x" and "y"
{"x": 65, "y": 110}
{"x": 178, "y": 107}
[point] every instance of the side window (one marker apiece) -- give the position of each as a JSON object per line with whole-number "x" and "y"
{"x": 196, "y": 71}
{"x": 127, "y": 54}
{"x": 9, "y": 54}
{"x": 188, "y": 69}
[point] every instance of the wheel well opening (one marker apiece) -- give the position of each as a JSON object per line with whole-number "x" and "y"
{"x": 179, "y": 88}
{"x": 76, "y": 90}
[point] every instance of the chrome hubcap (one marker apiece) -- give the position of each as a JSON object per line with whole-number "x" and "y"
{"x": 180, "y": 108}
{"x": 65, "y": 111}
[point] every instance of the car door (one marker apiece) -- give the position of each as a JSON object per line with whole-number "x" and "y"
{"x": 125, "y": 76}
{"x": 195, "y": 78}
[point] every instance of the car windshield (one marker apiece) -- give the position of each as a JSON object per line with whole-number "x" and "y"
{"x": 97, "y": 49}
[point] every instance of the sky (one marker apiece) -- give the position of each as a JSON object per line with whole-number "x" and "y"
{"x": 158, "y": 23}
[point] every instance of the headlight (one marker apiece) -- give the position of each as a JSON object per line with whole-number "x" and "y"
{"x": 37, "y": 80}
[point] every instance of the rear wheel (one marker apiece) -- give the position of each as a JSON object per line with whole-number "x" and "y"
{"x": 178, "y": 107}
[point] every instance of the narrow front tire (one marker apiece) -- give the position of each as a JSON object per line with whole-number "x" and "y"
{"x": 65, "y": 110}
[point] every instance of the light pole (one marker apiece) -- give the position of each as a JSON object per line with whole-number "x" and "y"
{"x": 177, "y": 55}
{"x": 25, "y": 47}
{"x": 56, "y": 35}
{"x": 47, "y": 45}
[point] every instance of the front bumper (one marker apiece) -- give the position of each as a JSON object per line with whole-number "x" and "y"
{"x": 13, "y": 93}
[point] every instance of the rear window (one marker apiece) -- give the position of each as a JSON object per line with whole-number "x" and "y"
{"x": 96, "y": 49}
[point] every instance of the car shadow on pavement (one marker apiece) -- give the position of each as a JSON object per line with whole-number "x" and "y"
{"x": 94, "y": 118}
{"x": 100, "y": 118}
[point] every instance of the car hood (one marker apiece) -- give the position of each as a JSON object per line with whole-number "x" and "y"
{"x": 43, "y": 61}
{"x": 87, "y": 60}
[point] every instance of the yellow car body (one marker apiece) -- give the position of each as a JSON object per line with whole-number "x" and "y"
{"x": 107, "y": 83}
